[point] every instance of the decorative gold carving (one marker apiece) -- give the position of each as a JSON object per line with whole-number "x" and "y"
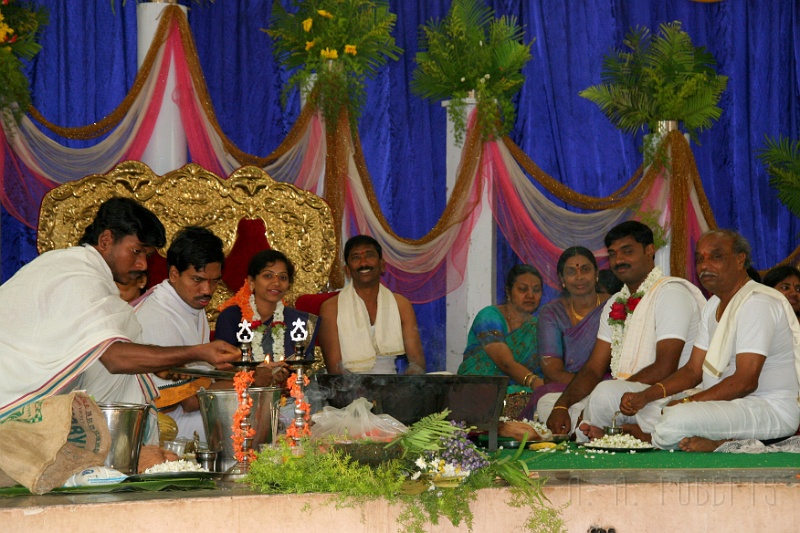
{"x": 297, "y": 222}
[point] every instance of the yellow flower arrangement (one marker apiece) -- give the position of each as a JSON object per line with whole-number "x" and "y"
{"x": 20, "y": 26}
{"x": 329, "y": 54}
{"x": 354, "y": 40}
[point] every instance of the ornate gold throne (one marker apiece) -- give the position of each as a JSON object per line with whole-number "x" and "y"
{"x": 296, "y": 222}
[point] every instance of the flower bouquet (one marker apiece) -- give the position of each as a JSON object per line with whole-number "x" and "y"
{"x": 20, "y": 26}
{"x": 335, "y": 45}
{"x": 472, "y": 54}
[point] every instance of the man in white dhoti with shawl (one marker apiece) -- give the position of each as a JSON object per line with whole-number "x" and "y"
{"x": 646, "y": 332}
{"x": 67, "y": 328}
{"x": 366, "y": 327}
{"x": 746, "y": 358}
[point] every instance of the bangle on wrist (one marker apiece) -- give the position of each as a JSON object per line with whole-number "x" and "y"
{"x": 560, "y": 407}
{"x": 686, "y": 399}
{"x": 663, "y": 388}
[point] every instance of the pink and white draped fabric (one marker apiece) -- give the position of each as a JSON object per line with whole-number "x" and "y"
{"x": 31, "y": 164}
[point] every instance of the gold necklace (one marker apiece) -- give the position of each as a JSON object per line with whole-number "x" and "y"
{"x": 575, "y": 315}
{"x": 507, "y": 316}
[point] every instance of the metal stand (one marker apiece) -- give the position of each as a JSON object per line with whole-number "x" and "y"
{"x": 241, "y": 468}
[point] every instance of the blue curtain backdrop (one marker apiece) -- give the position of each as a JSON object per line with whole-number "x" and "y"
{"x": 89, "y": 62}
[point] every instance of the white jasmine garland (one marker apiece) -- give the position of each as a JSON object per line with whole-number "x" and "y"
{"x": 618, "y": 328}
{"x": 278, "y": 330}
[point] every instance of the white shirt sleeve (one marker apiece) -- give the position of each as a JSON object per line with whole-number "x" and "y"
{"x": 604, "y": 331}
{"x": 677, "y": 313}
{"x": 756, "y": 325}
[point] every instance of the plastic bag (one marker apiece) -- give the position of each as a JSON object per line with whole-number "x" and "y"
{"x": 355, "y": 422}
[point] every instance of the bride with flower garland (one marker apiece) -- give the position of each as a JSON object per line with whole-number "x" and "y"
{"x": 270, "y": 274}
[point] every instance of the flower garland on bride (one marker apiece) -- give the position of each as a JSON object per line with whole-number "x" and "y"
{"x": 246, "y": 301}
{"x": 624, "y": 306}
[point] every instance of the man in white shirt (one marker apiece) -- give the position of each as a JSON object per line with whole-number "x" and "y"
{"x": 173, "y": 314}
{"x": 746, "y": 359}
{"x": 646, "y": 332}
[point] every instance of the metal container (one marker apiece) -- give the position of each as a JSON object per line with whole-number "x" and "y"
{"x": 207, "y": 459}
{"x": 218, "y": 407}
{"x": 126, "y": 423}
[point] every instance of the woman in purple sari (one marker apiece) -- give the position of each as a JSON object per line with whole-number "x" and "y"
{"x": 568, "y": 325}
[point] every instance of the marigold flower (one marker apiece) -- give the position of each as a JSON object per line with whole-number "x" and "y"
{"x": 323, "y": 13}
{"x": 307, "y": 24}
{"x": 329, "y": 54}
{"x": 350, "y": 49}
{"x": 309, "y": 45}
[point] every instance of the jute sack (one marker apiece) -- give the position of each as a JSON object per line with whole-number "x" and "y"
{"x": 45, "y": 442}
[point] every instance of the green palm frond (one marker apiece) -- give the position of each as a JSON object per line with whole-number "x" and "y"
{"x": 782, "y": 159}
{"x": 662, "y": 77}
{"x": 472, "y": 52}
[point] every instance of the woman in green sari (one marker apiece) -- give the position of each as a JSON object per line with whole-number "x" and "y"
{"x": 502, "y": 340}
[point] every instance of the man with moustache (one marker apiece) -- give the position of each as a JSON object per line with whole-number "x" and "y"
{"x": 173, "y": 314}
{"x": 366, "y": 327}
{"x": 746, "y": 359}
{"x": 70, "y": 329}
{"x": 646, "y": 332}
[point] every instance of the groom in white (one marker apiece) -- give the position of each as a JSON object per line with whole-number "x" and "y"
{"x": 646, "y": 333}
{"x": 366, "y": 327}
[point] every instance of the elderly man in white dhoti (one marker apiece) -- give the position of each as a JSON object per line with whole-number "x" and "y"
{"x": 67, "y": 328}
{"x": 366, "y": 327}
{"x": 646, "y": 332}
{"x": 746, "y": 359}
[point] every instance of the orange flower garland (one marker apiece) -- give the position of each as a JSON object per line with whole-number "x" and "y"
{"x": 296, "y": 392}
{"x": 241, "y": 381}
{"x": 242, "y": 299}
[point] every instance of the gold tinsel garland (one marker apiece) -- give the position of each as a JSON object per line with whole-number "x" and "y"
{"x": 684, "y": 169}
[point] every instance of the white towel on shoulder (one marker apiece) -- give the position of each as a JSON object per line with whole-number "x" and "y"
{"x": 358, "y": 344}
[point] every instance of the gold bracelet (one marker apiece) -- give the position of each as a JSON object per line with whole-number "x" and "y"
{"x": 560, "y": 407}
{"x": 663, "y": 388}
{"x": 527, "y": 379}
{"x": 687, "y": 399}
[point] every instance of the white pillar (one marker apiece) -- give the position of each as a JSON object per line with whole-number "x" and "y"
{"x": 167, "y": 149}
{"x": 478, "y": 289}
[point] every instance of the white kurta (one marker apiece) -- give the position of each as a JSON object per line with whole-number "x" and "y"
{"x": 169, "y": 321}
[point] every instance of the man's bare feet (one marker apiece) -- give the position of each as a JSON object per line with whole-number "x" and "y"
{"x": 636, "y": 431}
{"x": 593, "y": 432}
{"x": 700, "y": 444}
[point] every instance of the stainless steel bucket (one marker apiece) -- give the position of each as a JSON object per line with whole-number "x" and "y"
{"x": 218, "y": 407}
{"x": 126, "y": 423}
